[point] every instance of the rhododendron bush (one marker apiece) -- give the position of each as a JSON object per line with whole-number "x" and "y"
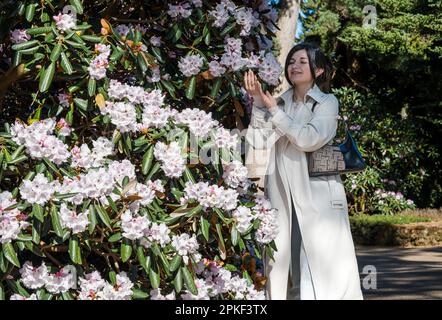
{"x": 121, "y": 179}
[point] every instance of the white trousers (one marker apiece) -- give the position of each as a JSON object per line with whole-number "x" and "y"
{"x": 289, "y": 272}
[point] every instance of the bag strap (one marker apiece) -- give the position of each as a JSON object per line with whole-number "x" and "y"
{"x": 342, "y": 118}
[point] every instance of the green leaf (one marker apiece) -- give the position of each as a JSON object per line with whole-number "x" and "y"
{"x": 234, "y": 235}
{"x": 38, "y": 30}
{"x": 115, "y": 237}
{"x": 90, "y": 38}
{"x": 139, "y": 294}
{"x": 10, "y": 254}
{"x": 170, "y": 88}
{"x": 55, "y": 54}
{"x": 176, "y": 262}
{"x": 154, "y": 278}
{"x": 155, "y": 168}
{"x": 221, "y": 244}
{"x": 143, "y": 260}
{"x": 46, "y": 77}
{"x": 81, "y": 103}
{"x": 74, "y": 250}
{"x": 157, "y": 53}
{"x": 190, "y": 91}
{"x": 91, "y": 87}
{"x": 188, "y": 280}
{"x": 30, "y": 51}
{"x": 228, "y": 29}
{"x": 30, "y": 11}
{"x": 126, "y": 250}
{"x": 2, "y": 292}
{"x": 16, "y": 59}
{"x": 204, "y": 227}
{"x": 67, "y": 296}
{"x": 55, "y": 218}
{"x": 25, "y": 45}
{"x": 77, "y": 5}
{"x": 103, "y": 215}
{"x": 142, "y": 63}
{"x": 147, "y": 160}
{"x": 215, "y": 88}
{"x": 178, "y": 281}
{"x": 18, "y": 160}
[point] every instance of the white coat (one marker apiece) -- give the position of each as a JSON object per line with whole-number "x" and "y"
{"x": 326, "y": 260}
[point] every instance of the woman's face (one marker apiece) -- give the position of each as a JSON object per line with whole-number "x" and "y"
{"x": 299, "y": 68}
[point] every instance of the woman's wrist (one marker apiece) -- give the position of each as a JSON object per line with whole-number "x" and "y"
{"x": 273, "y": 109}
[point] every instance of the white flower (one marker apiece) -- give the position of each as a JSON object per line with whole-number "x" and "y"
{"x": 210, "y": 196}
{"x": 122, "y": 114}
{"x": 121, "y": 169}
{"x": 199, "y": 122}
{"x": 62, "y": 280}
{"x": 268, "y": 228}
{"x": 157, "y": 117}
{"x": 71, "y": 220}
{"x": 97, "y": 67}
{"x": 203, "y": 291}
{"x": 220, "y": 14}
{"x": 243, "y": 217}
{"x": 39, "y": 190}
{"x": 122, "y": 30}
{"x": 90, "y": 285}
{"x": 216, "y": 69}
{"x": 63, "y": 98}
{"x": 235, "y": 173}
{"x": 158, "y": 232}
{"x": 190, "y": 65}
{"x": 64, "y": 21}
{"x": 134, "y": 227}
{"x": 19, "y": 36}
{"x": 182, "y": 10}
{"x": 33, "y": 277}
{"x": 155, "y": 41}
{"x": 247, "y": 18}
{"x": 155, "y": 294}
{"x": 39, "y": 141}
{"x": 270, "y": 69}
{"x": 223, "y": 138}
{"x": 122, "y": 290}
{"x": 20, "y": 297}
{"x": 173, "y": 163}
{"x": 103, "y": 49}
{"x": 185, "y": 244}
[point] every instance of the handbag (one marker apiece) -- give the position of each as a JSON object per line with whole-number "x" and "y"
{"x": 336, "y": 159}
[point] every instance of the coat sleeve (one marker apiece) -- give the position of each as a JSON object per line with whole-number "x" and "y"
{"x": 260, "y": 133}
{"x": 314, "y": 134}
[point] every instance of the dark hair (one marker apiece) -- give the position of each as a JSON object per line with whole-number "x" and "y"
{"x": 317, "y": 59}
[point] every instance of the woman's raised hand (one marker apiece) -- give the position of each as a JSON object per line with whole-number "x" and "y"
{"x": 253, "y": 87}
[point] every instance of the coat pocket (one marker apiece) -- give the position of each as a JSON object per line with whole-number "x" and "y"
{"x": 338, "y": 199}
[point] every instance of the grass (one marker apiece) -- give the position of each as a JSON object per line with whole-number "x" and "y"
{"x": 396, "y": 219}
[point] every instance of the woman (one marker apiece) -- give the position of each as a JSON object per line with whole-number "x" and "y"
{"x": 315, "y": 257}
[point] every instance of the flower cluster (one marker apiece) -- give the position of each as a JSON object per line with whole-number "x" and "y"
{"x": 210, "y": 196}
{"x": 270, "y": 69}
{"x": 172, "y": 161}
{"x": 185, "y": 245}
{"x": 190, "y": 65}
{"x": 83, "y": 157}
{"x": 222, "y": 12}
{"x": 98, "y": 65}
{"x": 39, "y": 190}
{"x": 123, "y": 115}
{"x": 183, "y": 10}
{"x": 39, "y": 141}
{"x": 247, "y": 18}
{"x": 64, "y": 21}
{"x": 39, "y": 277}
{"x": 12, "y": 221}
{"x": 243, "y": 217}
{"x": 268, "y": 227}
{"x": 235, "y": 173}
{"x": 72, "y": 220}
{"x": 94, "y": 287}
{"x": 200, "y": 123}
{"x": 19, "y": 36}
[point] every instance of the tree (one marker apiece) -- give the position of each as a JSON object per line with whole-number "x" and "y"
{"x": 118, "y": 168}
{"x": 390, "y": 53}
